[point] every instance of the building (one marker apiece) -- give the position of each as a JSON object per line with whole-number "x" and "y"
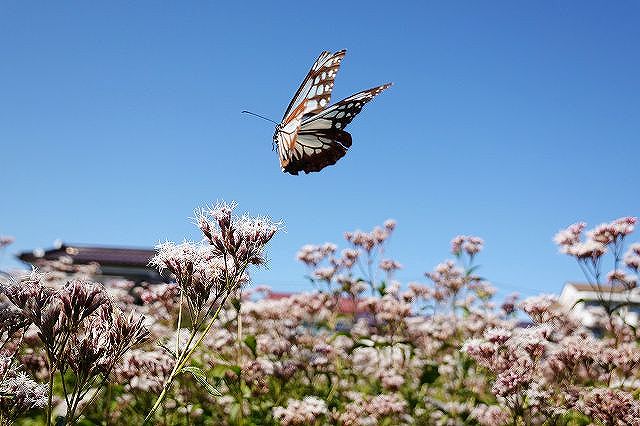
{"x": 585, "y": 299}
{"x": 114, "y": 262}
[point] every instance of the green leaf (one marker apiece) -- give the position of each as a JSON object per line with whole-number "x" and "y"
{"x": 429, "y": 374}
{"x": 250, "y": 341}
{"x": 577, "y": 302}
{"x": 168, "y": 349}
{"x": 201, "y": 378}
{"x": 220, "y": 370}
{"x": 367, "y": 343}
{"x": 340, "y": 333}
{"x": 472, "y": 269}
{"x": 236, "y": 304}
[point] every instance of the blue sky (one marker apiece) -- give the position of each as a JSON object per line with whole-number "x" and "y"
{"x": 507, "y": 120}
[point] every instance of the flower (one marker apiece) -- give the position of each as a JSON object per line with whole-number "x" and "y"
{"x": 632, "y": 257}
{"x": 618, "y": 277}
{"x": 447, "y": 277}
{"x": 325, "y": 274}
{"x": 608, "y": 233}
{"x": 610, "y": 406}
{"x": 238, "y": 238}
{"x": 389, "y": 265}
{"x": 6, "y": 240}
{"x": 80, "y": 299}
{"x": 348, "y": 257}
{"x": 589, "y": 249}
{"x": 569, "y": 236}
{"x": 18, "y": 392}
{"x": 11, "y": 321}
{"x": 540, "y": 308}
{"x": 300, "y": 412}
{"x": 490, "y": 415}
{"x": 469, "y": 244}
{"x": 200, "y": 273}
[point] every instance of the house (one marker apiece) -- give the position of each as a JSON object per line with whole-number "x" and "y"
{"x": 585, "y": 299}
{"x": 114, "y": 262}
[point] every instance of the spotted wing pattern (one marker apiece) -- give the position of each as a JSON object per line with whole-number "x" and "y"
{"x": 317, "y": 85}
{"x": 321, "y": 140}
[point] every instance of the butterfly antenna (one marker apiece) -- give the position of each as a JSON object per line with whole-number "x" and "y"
{"x": 259, "y": 116}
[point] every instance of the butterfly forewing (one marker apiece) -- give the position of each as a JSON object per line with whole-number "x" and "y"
{"x": 317, "y": 86}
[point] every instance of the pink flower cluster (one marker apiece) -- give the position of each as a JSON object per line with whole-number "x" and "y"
{"x": 465, "y": 243}
{"x": 304, "y": 412}
{"x": 438, "y": 353}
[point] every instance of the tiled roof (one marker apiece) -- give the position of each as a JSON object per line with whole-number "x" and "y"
{"x": 106, "y": 256}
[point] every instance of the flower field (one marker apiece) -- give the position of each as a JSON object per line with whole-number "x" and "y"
{"x": 362, "y": 349}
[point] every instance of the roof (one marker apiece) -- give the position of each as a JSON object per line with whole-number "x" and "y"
{"x": 82, "y": 255}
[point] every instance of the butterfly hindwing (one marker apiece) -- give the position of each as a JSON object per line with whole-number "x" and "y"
{"x": 321, "y": 140}
{"x": 315, "y": 150}
{"x": 337, "y": 116}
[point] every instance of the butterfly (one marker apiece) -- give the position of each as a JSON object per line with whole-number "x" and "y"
{"x": 311, "y": 135}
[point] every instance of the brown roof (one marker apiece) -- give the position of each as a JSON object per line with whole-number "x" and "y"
{"x": 82, "y": 255}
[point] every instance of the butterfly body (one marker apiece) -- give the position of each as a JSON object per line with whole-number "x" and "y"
{"x": 311, "y": 135}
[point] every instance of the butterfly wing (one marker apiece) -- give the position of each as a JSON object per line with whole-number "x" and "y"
{"x": 321, "y": 140}
{"x": 317, "y": 86}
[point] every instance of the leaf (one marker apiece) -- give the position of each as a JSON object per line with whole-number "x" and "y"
{"x": 577, "y": 302}
{"x": 201, "y": 378}
{"x": 472, "y": 269}
{"x": 340, "y": 333}
{"x": 368, "y": 343}
{"x": 429, "y": 374}
{"x": 236, "y": 304}
{"x": 251, "y": 342}
{"x": 220, "y": 370}
{"x": 167, "y": 348}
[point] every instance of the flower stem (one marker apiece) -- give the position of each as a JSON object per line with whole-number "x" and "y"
{"x": 181, "y": 361}
{"x": 239, "y": 355}
{"x": 49, "y": 397}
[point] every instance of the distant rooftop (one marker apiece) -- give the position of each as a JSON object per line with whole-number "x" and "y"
{"x": 125, "y": 262}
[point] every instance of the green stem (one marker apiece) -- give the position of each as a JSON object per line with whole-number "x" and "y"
{"x": 181, "y": 361}
{"x": 239, "y": 356}
{"x": 49, "y": 397}
{"x": 179, "y": 324}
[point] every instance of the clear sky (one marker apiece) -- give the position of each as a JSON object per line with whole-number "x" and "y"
{"x": 507, "y": 120}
